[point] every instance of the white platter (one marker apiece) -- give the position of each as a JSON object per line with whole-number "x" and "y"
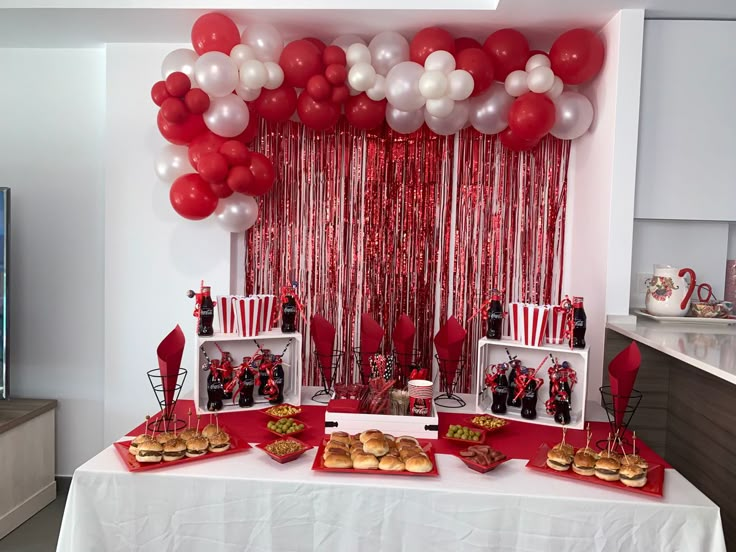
{"x": 687, "y": 319}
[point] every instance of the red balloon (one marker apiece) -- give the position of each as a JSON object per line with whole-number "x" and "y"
{"x": 336, "y": 74}
{"x": 207, "y": 142}
{"x": 577, "y": 56}
{"x": 430, "y": 40}
{"x": 183, "y": 133}
{"x": 508, "y": 50}
{"x": 221, "y": 189}
{"x": 364, "y": 113}
{"x": 531, "y": 116}
{"x": 213, "y": 167}
{"x": 340, "y": 94}
{"x": 276, "y": 105}
{"x": 192, "y": 197}
{"x": 317, "y": 115}
{"x": 240, "y": 179}
{"x": 476, "y": 62}
{"x": 264, "y": 175}
{"x": 319, "y": 88}
{"x": 300, "y": 60}
{"x": 174, "y": 110}
{"x": 465, "y": 42}
{"x": 235, "y": 152}
{"x": 178, "y": 84}
{"x": 513, "y": 142}
{"x": 197, "y": 101}
{"x": 334, "y": 55}
{"x": 251, "y": 130}
{"x": 214, "y": 32}
{"x": 317, "y": 42}
{"x": 159, "y": 93}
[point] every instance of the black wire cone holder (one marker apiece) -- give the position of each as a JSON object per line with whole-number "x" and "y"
{"x": 448, "y": 382}
{"x": 167, "y": 419}
{"x": 358, "y": 355}
{"x": 404, "y": 363}
{"x": 632, "y": 404}
{"x": 327, "y": 383}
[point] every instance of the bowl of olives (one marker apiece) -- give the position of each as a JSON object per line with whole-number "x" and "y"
{"x": 286, "y": 426}
{"x": 465, "y": 434}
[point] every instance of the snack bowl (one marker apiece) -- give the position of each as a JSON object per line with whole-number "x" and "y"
{"x": 498, "y": 423}
{"x": 306, "y": 427}
{"x": 286, "y": 457}
{"x": 279, "y": 411}
{"x": 481, "y": 468}
{"x": 480, "y": 441}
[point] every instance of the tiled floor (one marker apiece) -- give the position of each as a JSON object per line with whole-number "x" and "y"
{"x": 40, "y": 533}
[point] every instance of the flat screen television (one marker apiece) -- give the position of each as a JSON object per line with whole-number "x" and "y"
{"x": 4, "y": 247}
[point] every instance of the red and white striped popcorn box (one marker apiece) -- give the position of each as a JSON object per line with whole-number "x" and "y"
{"x": 226, "y": 314}
{"x": 533, "y": 326}
{"x": 514, "y": 318}
{"x": 267, "y": 307}
{"x": 247, "y": 315}
{"x": 556, "y": 325}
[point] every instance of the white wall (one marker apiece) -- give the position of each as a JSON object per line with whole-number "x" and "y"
{"x": 52, "y": 117}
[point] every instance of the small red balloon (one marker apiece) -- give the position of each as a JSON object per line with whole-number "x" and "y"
{"x": 531, "y": 116}
{"x": 317, "y": 115}
{"x": 181, "y": 133}
{"x": 174, "y": 110}
{"x": 264, "y": 174}
{"x": 300, "y": 60}
{"x": 159, "y": 93}
{"x": 251, "y": 130}
{"x": 235, "y": 152}
{"x": 178, "y": 84}
{"x": 577, "y": 56}
{"x": 334, "y": 55}
{"x": 430, "y": 40}
{"x": 192, "y": 197}
{"x": 214, "y": 32}
{"x": 240, "y": 179}
{"x": 513, "y": 142}
{"x": 317, "y": 42}
{"x": 221, "y": 189}
{"x": 319, "y": 88}
{"x": 364, "y": 113}
{"x": 213, "y": 167}
{"x": 276, "y": 105}
{"x": 207, "y": 142}
{"x": 197, "y": 101}
{"x": 340, "y": 94}
{"x": 476, "y": 62}
{"x": 336, "y": 74}
{"x": 465, "y": 42}
{"x": 508, "y": 50}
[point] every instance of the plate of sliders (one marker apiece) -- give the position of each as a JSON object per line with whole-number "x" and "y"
{"x": 375, "y": 452}
{"x": 161, "y": 450}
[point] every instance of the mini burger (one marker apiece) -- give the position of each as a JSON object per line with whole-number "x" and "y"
{"x": 584, "y": 464}
{"x": 564, "y": 447}
{"x": 164, "y": 438}
{"x": 209, "y": 430}
{"x": 609, "y": 454}
{"x": 174, "y": 450}
{"x": 589, "y": 451}
{"x": 633, "y": 476}
{"x": 634, "y": 460}
{"x": 149, "y": 451}
{"x": 607, "y": 469}
{"x": 197, "y": 446}
{"x": 558, "y": 460}
{"x": 142, "y": 438}
{"x": 188, "y": 434}
{"x": 219, "y": 442}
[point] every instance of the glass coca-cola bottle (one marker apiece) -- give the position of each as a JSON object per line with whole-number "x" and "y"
{"x": 245, "y": 399}
{"x": 495, "y": 317}
{"x": 288, "y": 315}
{"x": 513, "y": 391}
{"x": 580, "y": 322}
{"x": 278, "y": 379}
{"x": 529, "y": 401}
{"x": 206, "y": 313}
{"x": 263, "y": 366}
{"x": 562, "y": 403}
{"x": 501, "y": 391}
{"x": 215, "y": 388}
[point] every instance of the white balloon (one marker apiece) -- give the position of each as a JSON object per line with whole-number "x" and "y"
{"x": 537, "y": 60}
{"x": 275, "y": 75}
{"x": 516, "y": 83}
{"x": 216, "y": 74}
{"x": 247, "y": 94}
{"x": 377, "y": 92}
{"x": 345, "y": 41}
{"x": 404, "y": 122}
{"x": 402, "y": 86}
{"x": 265, "y": 40}
{"x": 388, "y": 49}
{"x": 433, "y": 84}
{"x": 489, "y": 111}
{"x": 540, "y": 79}
{"x": 241, "y": 53}
{"x": 253, "y": 74}
{"x": 172, "y": 162}
{"x": 460, "y": 84}
{"x": 358, "y": 53}
{"x": 573, "y": 116}
{"x": 440, "y": 108}
{"x": 556, "y": 89}
{"x": 236, "y": 213}
{"x": 451, "y": 124}
{"x": 227, "y": 116}
{"x": 362, "y": 76}
{"x": 440, "y": 60}
{"x": 181, "y": 60}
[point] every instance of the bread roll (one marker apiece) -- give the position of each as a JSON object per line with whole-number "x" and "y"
{"x": 418, "y": 464}
{"x": 370, "y": 434}
{"x": 406, "y": 440}
{"x": 337, "y": 444}
{"x": 333, "y": 450}
{"x": 337, "y": 461}
{"x": 389, "y": 437}
{"x": 408, "y": 452}
{"x": 365, "y": 462}
{"x": 390, "y": 463}
{"x": 378, "y": 447}
{"x": 340, "y": 436}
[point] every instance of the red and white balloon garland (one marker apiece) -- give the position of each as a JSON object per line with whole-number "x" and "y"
{"x": 211, "y": 98}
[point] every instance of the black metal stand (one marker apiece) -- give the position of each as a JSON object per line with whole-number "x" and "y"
{"x": 358, "y": 356}
{"x": 447, "y": 383}
{"x": 167, "y": 420}
{"x": 325, "y": 394}
{"x": 609, "y": 402}
{"x": 404, "y": 363}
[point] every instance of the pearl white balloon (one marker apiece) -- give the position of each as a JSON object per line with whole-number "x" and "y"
{"x": 253, "y": 74}
{"x": 345, "y": 41}
{"x": 236, "y": 213}
{"x": 404, "y": 122}
{"x": 573, "y": 116}
{"x": 241, "y": 53}
{"x": 451, "y": 124}
{"x": 247, "y": 94}
{"x": 489, "y": 111}
{"x": 540, "y": 79}
{"x": 362, "y": 76}
{"x": 216, "y": 74}
{"x": 440, "y": 108}
{"x": 227, "y": 116}
{"x": 275, "y": 75}
{"x": 358, "y": 53}
{"x": 516, "y": 83}
{"x": 433, "y": 84}
{"x": 440, "y": 60}
{"x": 181, "y": 60}
{"x": 265, "y": 40}
{"x": 461, "y": 84}
{"x": 377, "y": 92}
{"x": 172, "y": 162}
{"x": 388, "y": 49}
{"x": 556, "y": 89}
{"x": 402, "y": 86}
{"x": 537, "y": 60}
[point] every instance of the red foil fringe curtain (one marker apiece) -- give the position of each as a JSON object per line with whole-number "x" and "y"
{"x": 364, "y": 223}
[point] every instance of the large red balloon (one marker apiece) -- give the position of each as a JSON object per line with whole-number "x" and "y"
{"x": 317, "y": 42}
{"x": 264, "y": 175}
{"x": 465, "y": 42}
{"x": 509, "y": 51}
{"x": 213, "y": 167}
{"x": 317, "y": 115}
{"x": 512, "y": 140}
{"x": 276, "y": 105}
{"x": 207, "y": 142}
{"x": 430, "y": 40}
{"x": 334, "y": 55}
{"x": 364, "y": 113}
{"x": 577, "y": 56}
{"x": 235, "y": 152}
{"x": 214, "y": 32}
{"x": 181, "y": 134}
{"x": 221, "y": 189}
{"x": 178, "y": 84}
{"x": 240, "y": 179}
{"x": 531, "y": 116}
{"x": 319, "y": 88}
{"x": 192, "y": 197}
{"x": 300, "y": 60}
{"x": 476, "y": 62}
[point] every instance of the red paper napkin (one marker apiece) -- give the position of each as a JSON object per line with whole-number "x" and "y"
{"x": 403, "y": 337}
{"x": 371, "y": 335}
{"x": 169, "y": 353}
{"x": 323, "y": 336}
{"x": 449, "y": 344}
{"x": 622, "y": 373}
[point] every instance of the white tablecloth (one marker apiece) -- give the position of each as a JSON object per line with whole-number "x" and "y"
{"x": 249, "y": 502}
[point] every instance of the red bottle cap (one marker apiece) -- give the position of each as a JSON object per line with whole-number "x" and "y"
{"x": 577, "y": 302}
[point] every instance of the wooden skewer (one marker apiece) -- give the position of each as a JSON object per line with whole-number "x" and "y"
{"x": 634, "y": 440}
{"x": 189, "y": 418}
{"x": 145, "y": 427}
{"x": 153, "y": 431}
{"x": 198, "y": 417}
{"x": 608, "y": 444}
{"x": 217, "y": 422}
{"x": 564, "y": 433}
{"x": 587, "y": 436}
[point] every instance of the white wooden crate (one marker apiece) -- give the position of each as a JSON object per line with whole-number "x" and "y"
{"x": 421, "y": 427}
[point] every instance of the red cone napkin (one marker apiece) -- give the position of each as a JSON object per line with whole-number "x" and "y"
{"x": 323, "y": 336}
{"x": 449, "y": 344}
{"x": 371, "y": 335}
{"x": 169, "y": 353}
{"x": 403, "y": 337}
{"x": 622, "y": 373}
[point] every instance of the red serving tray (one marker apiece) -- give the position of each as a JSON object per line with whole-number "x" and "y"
{"x": 236, "y": 446}
{"x": 319, "y": 466}
{"x": 283, "y": 459}
{"x": 480, "y": 467}
{"x": 488, "y": 430}
{"x": 481, "y": 440}
{"x": 284, "y": 435}
{"x": 655, "y": 475}
{"x": 265, "y": 411}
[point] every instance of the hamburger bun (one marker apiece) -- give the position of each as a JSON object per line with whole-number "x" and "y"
{"x": 633, "y": 476}
{"x": 589, "y": 451}
{"x": 340, "y": 437}
{"x": 175, "y": 450}
{"x": 634, "y": 460}
{"x": 378, "y": 446}
{"x": 612, "y": 454}
{"x": 406, "y": 440}
{"x": 196, "y": 447}
{"x": 365, "y": 462}
{"x": 219, "y": 442}
{"x": 209, "y": 430}
{"x": 584, "y": 464}
{"x": 165, "y": 437}
{"x": 142, "y": 438}
{"x": 188, "y": 434}
{"x": 149, "y": 451}
{"x": 337, "y": 461}
{"x": 565, "y": 447}
{"x": 607, "y": 469}
{"x": 390, "y": 463}
{"x": 418, "y": 464}
{"x": 370, "y": 434}
{"x": 558, "y": 460}
{"x": 408, "y": 452}
{"x": 337, "y": 444}
{"x": 333, "y": 450}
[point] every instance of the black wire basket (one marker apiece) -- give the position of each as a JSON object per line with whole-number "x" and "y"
{"x": 358, "y": 356}
{"x": 167, "y": 419}
{"x": 328, "y": 380}
{"x": 404, "y": 363}
{"x": 448, "y": 382}
{"x": 609, "y": 403}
